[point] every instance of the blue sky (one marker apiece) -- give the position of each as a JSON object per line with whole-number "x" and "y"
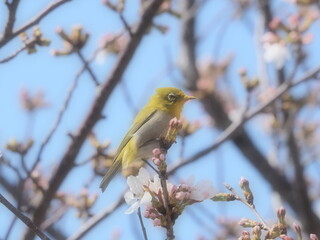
{"x": 53, "y": 75}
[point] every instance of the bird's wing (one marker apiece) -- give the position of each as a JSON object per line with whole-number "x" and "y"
{"x": 134, "y": 128}
{"x": 117, "y": 162}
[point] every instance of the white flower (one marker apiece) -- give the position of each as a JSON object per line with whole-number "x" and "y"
{"x": 276, "y": 53}
{"x": 137, "y": 195}
{"x": 155, "y": 186}
{"x": 201, "y": 191}
{"x": 101, "y": 57}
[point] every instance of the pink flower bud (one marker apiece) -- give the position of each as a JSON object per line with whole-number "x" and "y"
{"x": 174, "y": 188}
{"x": 307, "y": 38}
{"x": 245, "y": 222}
{"x": 297, "y": 228}
{"x": 293, "y": 21}
{"x": 285, "y": 237}
{"x": 146, "y": 214}
{"x": 156, "y": 161}
{"x": 313, "y": 237}
{"x": 243, "y": 182}
{"x": 275, "y": 23}
{"x": 180, "y": 195}
{"x": 156, "y": 222}
{"x": 162, "y": 157}
{"x": 173, "y": 122}
{"x": 58, "y": 29}
{"x": 156, "y": 152}
{"x": 281, "y": 213}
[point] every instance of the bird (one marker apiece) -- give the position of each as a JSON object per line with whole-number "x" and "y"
{"x": 149, "y": 125}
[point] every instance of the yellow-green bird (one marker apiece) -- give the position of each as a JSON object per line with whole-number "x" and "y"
{"x": 150, "y": 123}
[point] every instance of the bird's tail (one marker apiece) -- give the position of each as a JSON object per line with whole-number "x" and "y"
{"x": 110, "y": 174}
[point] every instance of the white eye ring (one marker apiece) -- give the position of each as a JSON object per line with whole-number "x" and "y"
{"x": 171, "y": 97}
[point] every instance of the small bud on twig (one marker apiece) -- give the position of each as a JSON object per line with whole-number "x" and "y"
{"x": 246, "y": 191}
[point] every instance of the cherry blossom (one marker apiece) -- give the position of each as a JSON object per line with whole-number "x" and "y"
{"x": 276, "y": 53}
{"x": 137, "y": 195}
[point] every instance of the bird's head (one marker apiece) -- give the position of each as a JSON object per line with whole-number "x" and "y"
{"x": 171, "y": 99}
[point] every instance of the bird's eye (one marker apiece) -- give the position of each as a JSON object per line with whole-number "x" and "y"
{"x": 171, "y": 97}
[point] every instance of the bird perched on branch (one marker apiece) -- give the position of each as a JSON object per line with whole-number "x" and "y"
{"x": 150, "y": 124}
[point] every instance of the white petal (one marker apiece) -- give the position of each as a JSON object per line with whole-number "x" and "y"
{"x": 144, "y": 176}
{"x": 155, "y": 186}
{"x": 135, "y": 185}
{"x": 146, "y": 199}
{"x": 101, "y": 57}
{"x": 132, "y": 208}
{"x": 190, "y": 181}
{"x": 169, "y": 187}
{"x": 276, "y": 53}
{"x": 202, "y": 191}
{"x": 129, "y": 198}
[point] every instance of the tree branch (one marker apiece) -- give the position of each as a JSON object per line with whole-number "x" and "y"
{"x": 12, "y": 8}
{"x": 23, "y": 218}
{"x": 67, "y": 162}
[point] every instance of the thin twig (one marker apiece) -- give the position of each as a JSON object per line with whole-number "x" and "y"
{"x": 7, "y": 59}
{"x": 126, "y": 25}
{"x": 59, "y": 118}
{"x": 13, "y": 168}
{"x": 54, "y": 218}
{"x": 10, "y": 228}
{"x": 27, "y": 221}
{"x": 251, "y": 206}
{"x": 142, "y": 225}
{"x": 88, "y": 68}
{"x": 150, "y": 165}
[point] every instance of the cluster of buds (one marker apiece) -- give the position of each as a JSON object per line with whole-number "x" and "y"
{"x": 293, "y": 31}
{"x": 72, "y": 42}
{"x": 36, "y": 40}
{"x": 255, "y": 234}
{"x": 210, "y": 72}
{"x": 294, "y": 28}
{"x": 174, "y": 126}
{"x": 159, "y": 159}
{"x": 114, "y": 43}
{"x": 18, "y": 147}
{"x": 111, "y": 44}
{"x": 83, "y": 203}
{"x": 31, "y": 103}
{"x": 249, "y": 84}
